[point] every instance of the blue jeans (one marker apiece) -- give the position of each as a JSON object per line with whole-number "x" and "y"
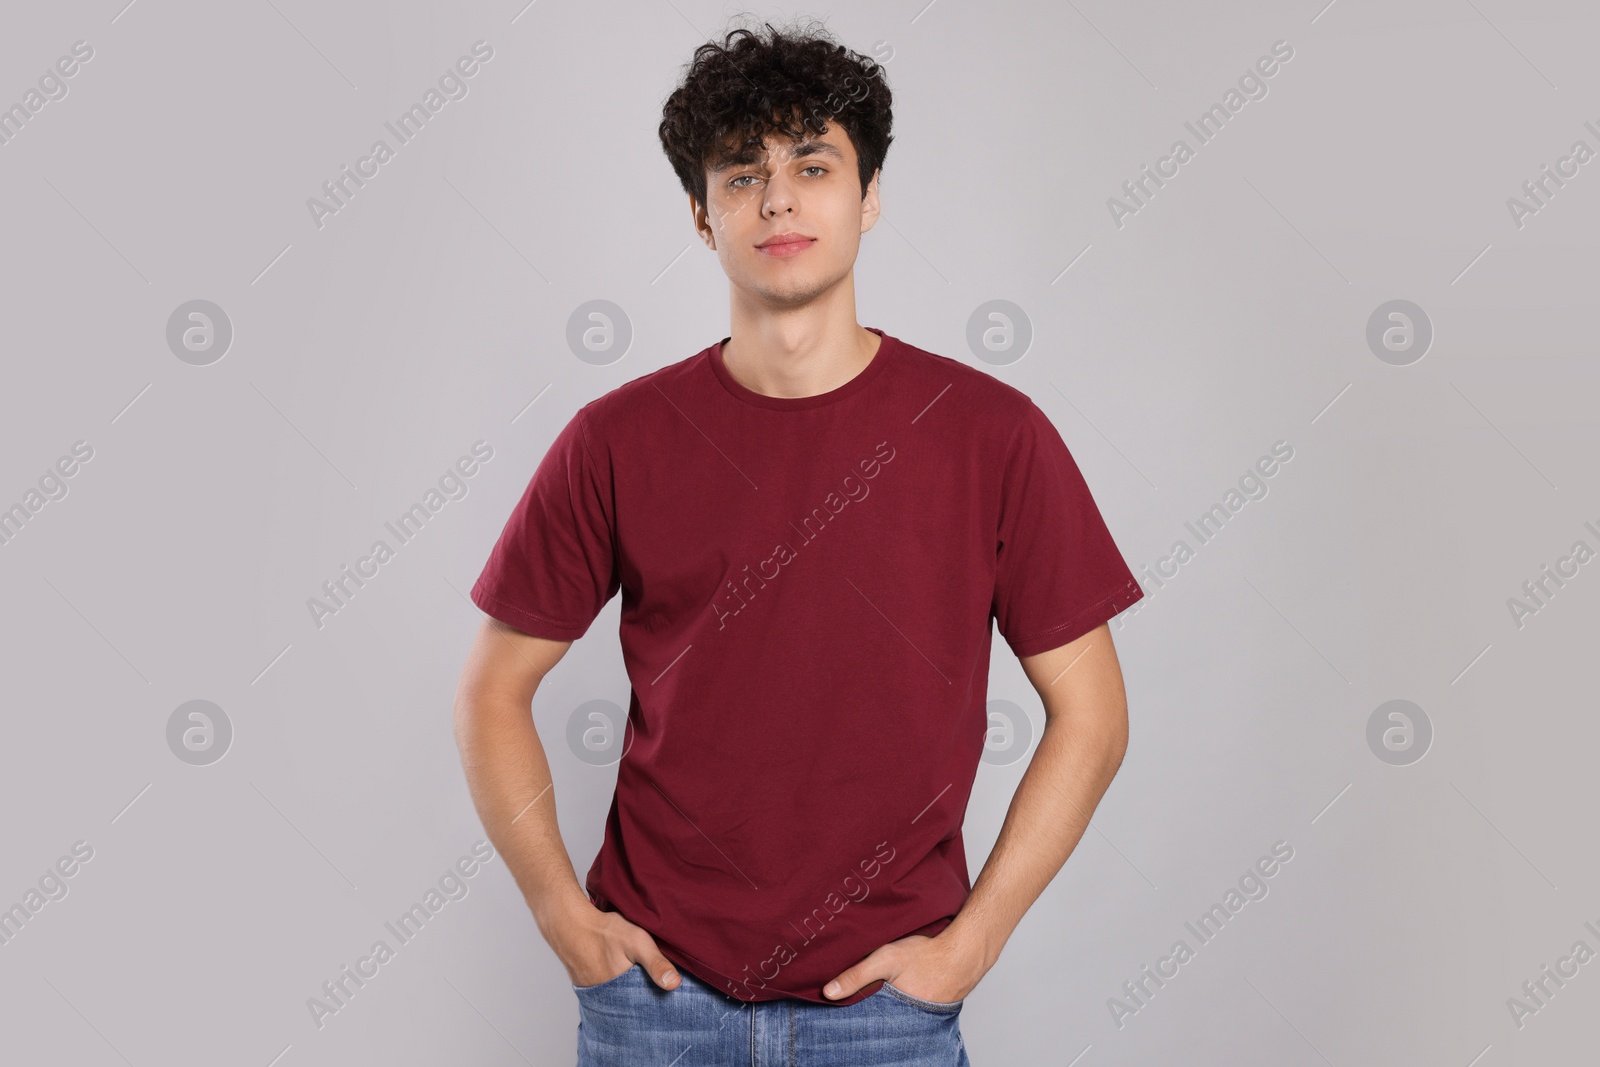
{"x": 632, "y": 1022}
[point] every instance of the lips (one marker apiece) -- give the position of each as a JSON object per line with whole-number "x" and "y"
{"x": 786, "y": 244}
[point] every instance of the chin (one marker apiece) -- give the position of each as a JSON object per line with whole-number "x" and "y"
{"x": 793, "y": 291}
{"x": 791, "y": 297}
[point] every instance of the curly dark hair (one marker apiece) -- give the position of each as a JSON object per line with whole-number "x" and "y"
{"x": 787, "y": 81}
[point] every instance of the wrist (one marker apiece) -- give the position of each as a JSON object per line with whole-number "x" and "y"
{"x": 973, "y": 942}
{"x": 557, "y": 910}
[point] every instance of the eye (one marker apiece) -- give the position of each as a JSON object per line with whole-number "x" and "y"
{"x": 815, "y": 167}
{"x": 734, "y": 182}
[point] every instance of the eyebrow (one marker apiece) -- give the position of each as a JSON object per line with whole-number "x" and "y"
{"x": 749, "y": 154}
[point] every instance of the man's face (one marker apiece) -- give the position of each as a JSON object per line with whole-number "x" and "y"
{"x": 808, "y": 187}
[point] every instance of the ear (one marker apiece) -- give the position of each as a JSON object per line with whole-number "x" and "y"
{"x": 702, "y": 222}
{"x": 869, "y": 203}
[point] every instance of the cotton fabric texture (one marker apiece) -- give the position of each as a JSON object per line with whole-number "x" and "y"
{"x": 809, "y": 591}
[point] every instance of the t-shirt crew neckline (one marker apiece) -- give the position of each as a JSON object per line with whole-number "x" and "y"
{"x": 795, "y": 403}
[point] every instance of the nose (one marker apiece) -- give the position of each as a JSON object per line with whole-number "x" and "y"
{"x": 780, "y": 196}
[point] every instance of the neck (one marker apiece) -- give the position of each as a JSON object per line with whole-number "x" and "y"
{"x": 800, "y": 353}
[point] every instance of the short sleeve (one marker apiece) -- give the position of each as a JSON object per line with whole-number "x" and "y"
{"x": 554, "y": 566}
{"x": 1058, "y": 573}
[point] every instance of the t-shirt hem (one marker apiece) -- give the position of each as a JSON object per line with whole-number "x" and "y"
{"x": 724, "y": 984}
{"x": 526, "y": 621}
{"x": 1103, "y": 609}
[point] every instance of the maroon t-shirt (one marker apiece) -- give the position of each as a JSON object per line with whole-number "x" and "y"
{"x": 807, "y": 589}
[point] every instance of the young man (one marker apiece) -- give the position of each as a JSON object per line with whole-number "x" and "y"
{"x": 814, "y": 526}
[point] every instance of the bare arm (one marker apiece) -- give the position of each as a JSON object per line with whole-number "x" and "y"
{"x": 1079, "y": 752}
{"x": 513, "y": 791}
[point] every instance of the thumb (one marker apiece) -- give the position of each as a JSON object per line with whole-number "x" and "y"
{"x": 854, "y": 978}
{"x": 658, "y": 967}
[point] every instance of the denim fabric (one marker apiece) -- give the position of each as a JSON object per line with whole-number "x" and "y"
{"x": 630, "y": 1021}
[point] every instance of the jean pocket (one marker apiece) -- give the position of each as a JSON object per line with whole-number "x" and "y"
{"x": 941, "y": 1007}
{"x": 609, "y": 982}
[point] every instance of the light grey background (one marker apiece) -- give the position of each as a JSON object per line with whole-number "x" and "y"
{"x": 432, "y": 311}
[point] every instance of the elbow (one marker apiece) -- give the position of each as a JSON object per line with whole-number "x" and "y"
{"x": 1116, "y": 752}
{"x": 461, "y": 724}
{"x": 1114, "y": 746}
{"x": 466, "y": 717}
